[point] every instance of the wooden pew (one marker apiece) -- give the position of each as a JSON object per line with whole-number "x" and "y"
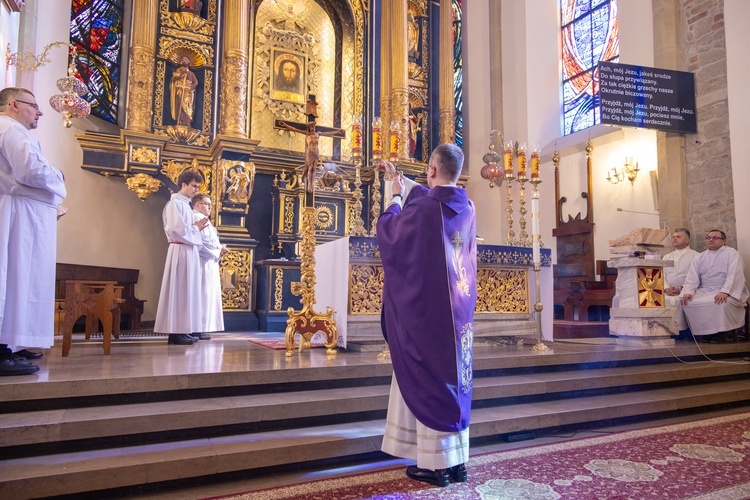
{"x": 131, "y": 308}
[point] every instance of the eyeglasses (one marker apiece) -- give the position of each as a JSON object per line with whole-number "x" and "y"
{"x": 32, "y": 104}
{"x": 714, "y": 238}
{"x": 204, "y": 203}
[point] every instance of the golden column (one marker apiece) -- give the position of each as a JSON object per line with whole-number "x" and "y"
{"x": 385, "y": 71}
{"x": 400, "y": 74}
{"x": 447, "y": 132}
{"x": 234, "y": 64}
{"x": 141, "y": 67}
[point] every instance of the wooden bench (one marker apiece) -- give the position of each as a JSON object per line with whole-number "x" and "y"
{"x": 98, "y": 301}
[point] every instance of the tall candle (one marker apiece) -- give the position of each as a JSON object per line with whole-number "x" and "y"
{"x": 535, "y": 232}
{"x": 377, "y": 138}
{"x": 535, "y": 163}
{"x": 395, "y": 141}
{"x": 508, "y": 159}
{"x": 522, "y": 161}
{"x": 357, "y": 136}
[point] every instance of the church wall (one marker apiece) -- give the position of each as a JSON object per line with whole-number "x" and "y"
{"x": 736, "y": 14}
{"x": 106, "y": 225}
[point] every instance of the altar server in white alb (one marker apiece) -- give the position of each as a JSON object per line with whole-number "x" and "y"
{"x": 179, "y": 311}
{"x": 714, "y": 294}
{"x": 30, "y": 193}
{"x": 210, "y": 252}
{"x": 674, "y": 277}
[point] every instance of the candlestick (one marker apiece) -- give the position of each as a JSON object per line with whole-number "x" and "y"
{"x": 357, "y": 136}
{"x": 535, "y": 232}
{"x": 508, "y": 159}
{"x": 395, "y": 141}
{"x": 377, "y": 138}
{"x": 535, "y": 163}
{"x": 522, "y": 161}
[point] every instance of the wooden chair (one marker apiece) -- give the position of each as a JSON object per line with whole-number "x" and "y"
{"x": 98, "y": 301}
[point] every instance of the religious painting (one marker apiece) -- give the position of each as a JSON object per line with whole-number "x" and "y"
{"x": 288, "y": 77}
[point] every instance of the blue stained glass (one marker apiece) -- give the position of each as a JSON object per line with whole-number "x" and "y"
{"x": 96, "y": 33}
{"x": 458, "y": 75}
{"x": 589, "y": 36}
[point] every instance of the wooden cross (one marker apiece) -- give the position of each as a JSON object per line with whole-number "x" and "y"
{"x": 312, "y": 133}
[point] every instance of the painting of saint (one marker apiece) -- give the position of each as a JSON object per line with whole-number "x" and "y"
{"x": 288, "y": 78}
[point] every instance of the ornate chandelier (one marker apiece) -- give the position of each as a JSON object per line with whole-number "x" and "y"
{"x": 70, "y": 104}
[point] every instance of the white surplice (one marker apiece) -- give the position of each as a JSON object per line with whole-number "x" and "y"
{"x": 407, "y": 437}
{"x": 675, "y": 276}
{"x": 210, "y": 253}
{"x": 179, "y": 309}
{"x": 711, "y": 272}
{"x": 30, "y": 192}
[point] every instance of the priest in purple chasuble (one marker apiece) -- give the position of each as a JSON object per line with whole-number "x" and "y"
{"x": 179, "y": 311}
{"x": 428, "y": 250}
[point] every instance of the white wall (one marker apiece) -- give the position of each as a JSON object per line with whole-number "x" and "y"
{"x": 736, "y": 15}
{"x": 92, "y": 233}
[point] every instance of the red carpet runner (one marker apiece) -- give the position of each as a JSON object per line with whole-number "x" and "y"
{"x": 705, "y": 459}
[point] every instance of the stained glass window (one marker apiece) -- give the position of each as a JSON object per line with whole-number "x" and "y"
{"x": 589, "y": 36}
{"x": 96, "y": 33}
{"x": 458, "y": 71}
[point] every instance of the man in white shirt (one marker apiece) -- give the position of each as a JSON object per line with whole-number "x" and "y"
{"x": 210, "y": 252}
{"x": 714, "y": 294}
{"x": 30, "y": 193}
{"x": 674, "y": 277}
{"x": 179, "y": 311}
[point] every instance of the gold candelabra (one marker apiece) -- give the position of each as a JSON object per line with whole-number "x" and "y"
{"x": 375, "y": 202}
{"x": 358, "y": 226}
{"x": 523, "y": 237}
{"x": 540, "y": 346}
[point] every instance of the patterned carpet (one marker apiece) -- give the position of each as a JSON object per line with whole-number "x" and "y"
{"x": 277, "y": 340}
{"x": 704, "y": 459}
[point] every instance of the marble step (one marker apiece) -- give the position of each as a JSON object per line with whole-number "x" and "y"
{"x": 70, "y": 473}
{"x": 80, "y": 423}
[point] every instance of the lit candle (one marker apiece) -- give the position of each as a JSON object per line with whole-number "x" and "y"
{"x": 535, "y": 163}
{"x": 508, "y": 159}
{"x": 522, "y": 161}
{"x": 395, "y": 140}
{"x": 357, "y": 136}
{"x": 377, "y": 138}
{"x": 535, "y": 233}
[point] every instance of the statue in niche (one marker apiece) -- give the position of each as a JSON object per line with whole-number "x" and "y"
{"x": 182, "y": 93}
{"x": 285, "y": 15}
{"x": 192, "y": 6}
{"x": 239, "y": 185}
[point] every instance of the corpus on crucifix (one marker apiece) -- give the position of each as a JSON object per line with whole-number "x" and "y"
{"x": 312, "y": 133}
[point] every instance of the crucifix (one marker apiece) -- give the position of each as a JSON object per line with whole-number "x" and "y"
{"x": 312, "y": 133}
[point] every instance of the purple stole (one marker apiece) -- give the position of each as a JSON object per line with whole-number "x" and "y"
{"x": 428, "y": 251}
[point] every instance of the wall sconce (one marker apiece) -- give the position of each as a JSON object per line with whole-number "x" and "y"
{"x": 69, "y": 103}
{"x": 629, "y": 171}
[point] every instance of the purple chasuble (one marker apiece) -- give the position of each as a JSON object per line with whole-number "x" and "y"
{"x": 429, "y": 257}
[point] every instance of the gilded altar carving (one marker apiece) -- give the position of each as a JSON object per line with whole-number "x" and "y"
{"x": 288, "y": 217}
{"x": 236, "y": 273}
{"x": 447, "y": 131}
{"x": 174, "y": 50}
{"x": 651, "y": 287}
{"x": 278, "y": 289}
{"x": 234, "y": 93}
{"x": 365, "y": 288}
{"x": 208, "y": 96}
{"x": 173, "y": 168}
{"x": 325, "y": 217}
{"x": 161, "y": 72}
{"x": 239, "y": 178}
{"x": 503, "y": 290}
{"x": 517, "y": 257}
{"x": 144, "y": 155}
{"x": 140, "y": 85}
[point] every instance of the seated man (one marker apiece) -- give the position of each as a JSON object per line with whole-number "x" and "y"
{"x": 674, "y": 277}
{"x": 714, "y": 294}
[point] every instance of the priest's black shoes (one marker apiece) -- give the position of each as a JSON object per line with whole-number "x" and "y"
{"x": 440, "y": 477}
{"x": 16, "y": 366}
{"x": 180, "y": 339}
{"x": 28, "y": 354}
{"x": 458, "y": 473}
